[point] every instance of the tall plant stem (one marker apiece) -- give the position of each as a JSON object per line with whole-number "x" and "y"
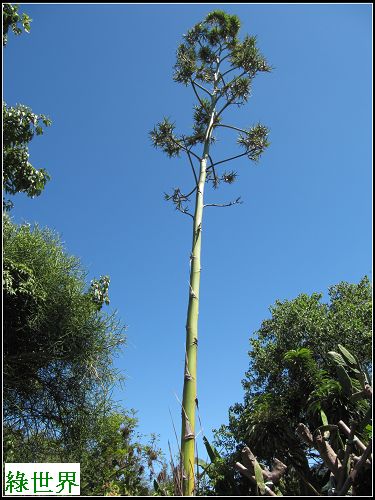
{"x": 189, "y": 399}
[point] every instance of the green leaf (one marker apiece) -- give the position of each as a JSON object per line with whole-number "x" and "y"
{"x": 348, "y": 357}
{"x": 327, "y": 427}
{"x": 368, "y": 431}
{"x": 344, "y": 380}
{"x": 337, "y": 358}
{"x": 357, "y": 396}
{"x": 324, "y": 417}
{"x": 325, "y": 422}
{"x": 366, "y": 419}
{"x": 212, "y": 452}
{"x": 202, "y": 463}
{"x": 156, "y": 486}
{"x": 259, "y": 477}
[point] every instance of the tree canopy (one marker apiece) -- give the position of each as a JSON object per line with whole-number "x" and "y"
{"x": 58, "y": 344}
{"x": 12, "y": 19}
{"x": 20, "y": 125}
{"x": 19, "y": 176}
{"x": 292, "y": 378}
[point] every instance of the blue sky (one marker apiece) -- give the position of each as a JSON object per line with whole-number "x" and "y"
{"x": 103, "y": 73}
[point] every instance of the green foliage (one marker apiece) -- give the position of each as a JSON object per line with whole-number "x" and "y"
{"x": 12, "y": 19}
{"x": 163, "y": 137}
{"x": 20, "y": 126}
{"x": 259, "y": 477}
{"x": 292, "y": 379}
{"x": 203, "y": 42}
{"x": 99, "y": 291}
{"x": 254, "y": 141}
{"x": 246, "y": 56}
{"x": 58, "y": 374}
{"x": 216, "y": 477}
{"x": 58, "y": 344}
{"x": 114, "y": 460}
{"x": 211, "y": 450}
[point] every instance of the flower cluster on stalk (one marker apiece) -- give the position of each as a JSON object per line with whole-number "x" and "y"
{"x": 220, "y": 68}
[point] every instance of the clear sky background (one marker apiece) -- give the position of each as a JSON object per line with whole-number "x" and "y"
{"x": 103, "y": 73}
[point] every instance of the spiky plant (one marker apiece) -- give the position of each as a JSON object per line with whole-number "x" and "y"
{"x": 219, "y": 68}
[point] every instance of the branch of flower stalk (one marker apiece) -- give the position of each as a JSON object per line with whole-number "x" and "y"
{"x": 232, "y": 127}
{"x": 191, "y": 192}
{"x": 228, "y": 159}
{"x": 231, "y": 101}
{"x": 188, "y": 152}
{"x": 224, "y": 87}
{"x": 201, "y": 87}
{"x": 231, "y": 69}
{"x": 196, "y": 93}
{"x": 235, "y": 202}
{"x": 184, "y": 211}
{"x": 212, "y": 168}
{"x": 185, "y": 149}
{"x": 223, "y": 59}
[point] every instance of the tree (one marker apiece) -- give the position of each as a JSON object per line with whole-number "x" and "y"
{"x": 114, "y": 459}
{"x": 292, "y": 379}
{"x": 19, "y": 175}
{"x": 11, "y": 19}
{"x": 219, "y": 68}
{"x": 58, "y": 342}
{"x": 346, "y": 470}
{"x": 20, "y": 125}
{"x": 114, "y": 462}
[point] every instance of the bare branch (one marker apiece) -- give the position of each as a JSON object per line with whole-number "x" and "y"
{"x": 191, "y": 164}
{"x": 178, "y": 199}
{"x": 223, "y": 59}
{"x": 325, "y": 450}
{"x": 210, "y": 169}
{"x": 231, "y": 69}
{"x": 201, "y": 87}
{"x": 358, "y": 466}
{"x": 195, "y": 92}
{"x": 187, "y": 150}
{"x": 235, "y": 202}
{"x": 247, "y": 469}
{"x": 367, "y": 391}
{"x": 232, "y": 127}
{"x": 231, "y": 101}
{"x": 361, "y": 447}
{"x": 347, "y": 452}
{"x": 191, "y": 192}
{"x": 228, "y": 159}
{"x": 245, "y": 472}
{"x": 228, "y": 103}
{"x": 224, "y": 88}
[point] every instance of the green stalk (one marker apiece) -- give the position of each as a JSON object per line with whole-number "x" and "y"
{"x": 190, "y": 373}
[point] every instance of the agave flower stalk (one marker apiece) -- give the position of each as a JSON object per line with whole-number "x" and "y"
{"x": 219, "y": 69}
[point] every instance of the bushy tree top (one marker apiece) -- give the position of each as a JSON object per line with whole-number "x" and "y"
{"x": 58, "y": 343}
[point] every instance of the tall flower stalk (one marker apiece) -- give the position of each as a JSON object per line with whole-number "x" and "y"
{"x": 219, "y": 68}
